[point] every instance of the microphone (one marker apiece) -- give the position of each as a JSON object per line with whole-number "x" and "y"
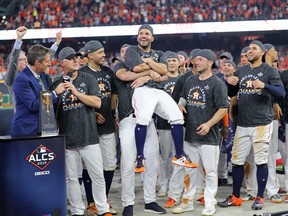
{"x": 68, "y": 77}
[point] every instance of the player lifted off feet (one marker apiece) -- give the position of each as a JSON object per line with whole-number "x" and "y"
{"x": 150, "y": 98}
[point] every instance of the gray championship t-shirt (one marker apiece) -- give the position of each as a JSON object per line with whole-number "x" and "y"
{"x": 124, "y": 93}
{"x": 168, "y": 86}
{"x": 179, "y": 86}
{"x": 105, "y": 81}
{"x": 255, "y": 105}
{"x": 204, "y": 98}
{"x": 134, "y": 56}
{"x": 75, "y": 119}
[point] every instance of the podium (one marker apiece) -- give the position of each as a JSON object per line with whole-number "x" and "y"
{"x": 33, "y": 176}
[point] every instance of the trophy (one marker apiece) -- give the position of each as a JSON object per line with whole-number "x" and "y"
{"x": 46, "y": 98}
{"x": 47, "y": 122}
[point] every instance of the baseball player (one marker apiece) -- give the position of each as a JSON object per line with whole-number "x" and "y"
{"x": 180, "y": 82}
{"x": 125, "y": 79}
{"x": 176, "y": 183}
{"x": 255, "y": 85}
{"x": 249, "y": 166}
{"x": 150, "y": 99}
{"x": 182, "y": 62}
{"x": 75, "y": 112}
{"x": 164, "y": 128}
{"x": 244, "y": 57}
{"x": 94, "y": 51}
{"x": 271, "y": 55}
{"x": 204, "y": 98}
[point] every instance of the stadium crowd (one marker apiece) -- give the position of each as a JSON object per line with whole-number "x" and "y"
{"x": 72, "y": 13}
{"x": 208, "y": 79}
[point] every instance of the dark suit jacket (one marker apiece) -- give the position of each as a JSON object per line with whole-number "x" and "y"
{"x": 27, "y": 95}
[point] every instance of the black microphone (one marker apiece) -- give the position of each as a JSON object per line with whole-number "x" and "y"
{"x": 68, "y": 77}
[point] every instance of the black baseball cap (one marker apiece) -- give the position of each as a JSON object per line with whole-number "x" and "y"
{"x": 82, "y": 49}
{"x": 170, "y": 54}
{"x": 92, "y": 46}
{"x": 183, "y": 54}
{"x": 194, "y": 53}
{"x": 209, "y": 54}
{"x": 259, "y": 43}
{"x": 146, "y": 26}
{"x": 226, "y": 55}
{"x": 67, "y": 53}
{"x": 230, "y": 62}
{"x": 244, "y": 50}
{"x": 268, "y": 46}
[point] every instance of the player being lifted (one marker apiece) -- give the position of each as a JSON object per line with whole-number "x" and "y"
{"x": 150, "y": 98}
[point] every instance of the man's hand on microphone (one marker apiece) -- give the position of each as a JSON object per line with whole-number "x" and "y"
{"x": 60, "y": 88}
{"x": 70, "y": 87}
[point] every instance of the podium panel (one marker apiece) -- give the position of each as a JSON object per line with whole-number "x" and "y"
{"x": 33, "y": 178}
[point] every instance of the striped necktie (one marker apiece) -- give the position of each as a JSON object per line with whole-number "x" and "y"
{"x": 41, "y": 82}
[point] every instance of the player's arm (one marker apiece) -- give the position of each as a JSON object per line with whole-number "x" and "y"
{"x": 125, "y": 75}
{"x": 89, "y": 100}
{"x": 141, "y": 67}
{"x": 233, "y": 109}
{"x": 55, "y": 45}
{"x": 114, "y": 100}
{"x": 158, "y": 67}
{"x": 204, "y": 128}
{"x": 233, "y": 87}
{"x": 14, "y": 56}
{"x": 274, "y": 87}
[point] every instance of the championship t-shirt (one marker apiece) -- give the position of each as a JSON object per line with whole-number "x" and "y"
{"x": 204, "y": 98}
{"x": 124, "y": 92}
{"x": 134, "y": 56}
{"x": 255, "y": 105}
{"x": 106, "y": 85}
{"x": 76, "y": 120}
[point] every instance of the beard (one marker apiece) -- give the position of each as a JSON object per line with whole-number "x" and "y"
{"x": 253, "y": 59}
{"x": 145, "y": 44}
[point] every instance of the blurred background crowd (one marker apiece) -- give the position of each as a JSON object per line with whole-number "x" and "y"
{"x": 79, "y": 13}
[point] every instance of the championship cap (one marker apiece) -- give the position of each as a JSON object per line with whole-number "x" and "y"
{"x": 259, "y": 43}
{"x": 230, "y": 62}
{"x": 268, "y": 46}
{"x": 82, "y": 49}
{"x": 67, "y": 53}
{"x": 170, "y": 54}
{"x": 146, "y": 26}
{"x": 125, "y": 45}
{"x": 92, "y": 46}
{"x": 183, "y": 54}
{"x": 226, "y": 55}
{"x": 209, "y": 54}
{"x": 194, "y": 53}
{"x": 244, "y": 50}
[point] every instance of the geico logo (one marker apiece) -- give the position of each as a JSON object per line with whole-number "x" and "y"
{"x": 42, "y": 157}
{"x": 42, "y": 173}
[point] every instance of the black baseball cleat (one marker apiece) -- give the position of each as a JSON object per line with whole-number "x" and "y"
{"x": 128, "y": 211}
{"x": 230, "y": 201}
{"x": 153, "y": 207}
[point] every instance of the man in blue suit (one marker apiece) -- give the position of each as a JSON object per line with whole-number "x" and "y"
{"x": 27, "y": 87}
